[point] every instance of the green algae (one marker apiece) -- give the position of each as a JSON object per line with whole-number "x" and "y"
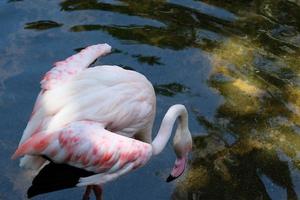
{"x": 261, "y": 93}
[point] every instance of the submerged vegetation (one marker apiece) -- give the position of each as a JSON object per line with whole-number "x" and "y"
{"x": 259, "y": 80}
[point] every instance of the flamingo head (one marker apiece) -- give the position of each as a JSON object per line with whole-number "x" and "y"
{"x": 182, "y": 144}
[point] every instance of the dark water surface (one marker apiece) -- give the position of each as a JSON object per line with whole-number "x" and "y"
{"x": 234, "y": 64}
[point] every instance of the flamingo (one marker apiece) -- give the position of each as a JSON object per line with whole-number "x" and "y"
{"x": 93, "y": 125}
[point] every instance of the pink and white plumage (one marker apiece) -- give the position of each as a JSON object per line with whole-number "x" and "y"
{"x": 87, "y": 145}
{"x": 88, "y": 117}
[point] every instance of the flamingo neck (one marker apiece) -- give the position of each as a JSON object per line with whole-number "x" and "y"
{"x": 165, "y": 130}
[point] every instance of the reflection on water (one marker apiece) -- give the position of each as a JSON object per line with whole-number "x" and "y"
{"x": 170, "y": 89}
{"x": 42, "y": 25}
{"x": 150, "y": 60}
{"x": 236, "y": 172}
{"x": 260, "y": 85}
{"x": 251, "y": 149}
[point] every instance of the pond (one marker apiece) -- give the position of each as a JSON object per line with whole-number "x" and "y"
{"x": 233, "y": 64}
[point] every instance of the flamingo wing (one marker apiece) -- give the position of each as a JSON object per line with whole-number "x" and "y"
{"x": 55, "y": 78}
{"x": 64, "y": 70}
{"x": 87, "y": 145}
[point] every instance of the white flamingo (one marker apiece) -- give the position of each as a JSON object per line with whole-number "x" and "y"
{"x": 98, "y": 120}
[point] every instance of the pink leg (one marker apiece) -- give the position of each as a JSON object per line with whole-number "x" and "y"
{"x": 97, "y": 191}
{"x": 88, "y": 190}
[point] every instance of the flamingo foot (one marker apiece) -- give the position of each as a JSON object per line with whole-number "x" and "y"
{"x": 86, "y": 195}
{"x": 97, "y": 191}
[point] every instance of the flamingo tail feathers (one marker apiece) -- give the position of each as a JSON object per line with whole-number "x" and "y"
{"x": 34, "y": 145}
{"x": 54, "y": 177}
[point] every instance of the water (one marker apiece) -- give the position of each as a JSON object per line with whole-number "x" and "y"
{"x": 234, "y": 64}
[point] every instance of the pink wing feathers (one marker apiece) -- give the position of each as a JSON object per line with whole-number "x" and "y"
{"x": 61, "y": 72}
{"x": 64, "y": 70}
{"x": 87, "y": 145}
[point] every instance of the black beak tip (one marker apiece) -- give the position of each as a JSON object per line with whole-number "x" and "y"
{"x": 170, "y": 178}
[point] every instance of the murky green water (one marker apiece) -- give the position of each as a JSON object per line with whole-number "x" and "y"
{"x": 234, "y": 64}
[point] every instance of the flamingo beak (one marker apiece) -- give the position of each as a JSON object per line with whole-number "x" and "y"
{"x": 178, "y": 169}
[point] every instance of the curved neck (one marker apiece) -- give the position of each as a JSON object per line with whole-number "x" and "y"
{"x": 165, "y": 130}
